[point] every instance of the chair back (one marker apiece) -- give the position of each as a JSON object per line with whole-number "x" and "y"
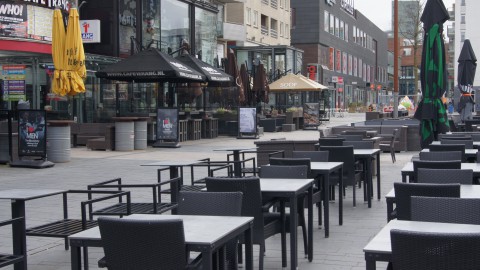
{"x": 351, "y": 137}
{"x": 281, "y": 171}
{"x": 314, "y": 156}
{"x": 331, "y": 141}
{"x": 210, "y": 203}
{"x": 475, "y": 137}
{"x": 468, "y": 142}
{"x": 342, "y": 154}
{"x": 441, "y": 155}
{"x": 143, "y": 244}
{"x": 440, "y": 251}
{"x": 363, "y": 133}
{"x": 251, "y": 199}
{"x": 292, "y": 162}
{"x": 445, "y": 176}
{"x": 469, "y": 124}
{"x": 403, "y": 192}
{"x": 444, "y": 164}
{"x": 359, "y": 144}
{"x": 449, "y": 147}
{"x": 446, "y": 210}
{"x": 454, "y": 136}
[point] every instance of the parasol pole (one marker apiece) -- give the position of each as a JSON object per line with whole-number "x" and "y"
{"x": 395, "y": 59}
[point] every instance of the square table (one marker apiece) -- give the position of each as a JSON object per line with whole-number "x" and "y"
{"x": 325, "y": 169}
{"x": 407, "y": 170}
{"x": 290, "y": 189}
{"x": 18, "y": 198}
{"x": 466, "y": 191}
{"x": 476, "y": 144}
{"x": 469, "y": 153}
{"x": 367, "y": 155}
{"x": 237, "y": 167}
{"x": 379, "y": 247}
{"x": 205, "y": 234}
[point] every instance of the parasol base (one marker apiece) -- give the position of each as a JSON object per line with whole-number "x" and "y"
{"x": 32, "y": 164}
{"x": 164, "y": 144}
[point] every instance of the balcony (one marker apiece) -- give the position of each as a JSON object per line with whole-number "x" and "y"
{"x": 274, "y": 4}
{"x": 273, "y": 33}
{"x": 231, "y": 31}
{"x": 265, "y": 2}
{"x": 452, "y": 15}
{"x": 264, "y": 30}
{"x": 451, "y": 32}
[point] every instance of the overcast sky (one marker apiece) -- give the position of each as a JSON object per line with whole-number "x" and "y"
{"x": 380, "y": 11}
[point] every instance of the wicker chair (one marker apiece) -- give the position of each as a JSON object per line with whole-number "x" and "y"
{"x": 440, "y": 251}
{"x": 264, "y": 224}
{"x": 144, "y": 244}
{"x": 292, "y": 172}
{"x": 445, "y": 164}
{"x": 314, "y": 156}
{"x": 403, "y": 192}
{"x": 344, "y": 154}
{"x": 445, "y": 176}
{"x": 213, "y": 204}
{"x": 468, "y": 142}
{"x": 441, "y": 155}
{"x": 449, "y": 147}
{"x": 446, "y": 210}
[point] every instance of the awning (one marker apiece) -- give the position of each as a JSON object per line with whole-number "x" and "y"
{"x": 213, "y": 75}
{"x": 295, "y": 83}
{"x": 151, "y": 65}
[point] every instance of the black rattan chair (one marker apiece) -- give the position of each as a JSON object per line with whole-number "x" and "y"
{"x": 359, "y": 144}
{"x": 351, "y": 137}
{"x": 468, "y": 143}
{"x": 331, "y": 141}
{"x": 449, "y": 147}
{"x": 434, "y": 251}
{"x": 213, "y": 204}
{"x": 403, "y": 192}
{"x": 265, "y": 225}
{"x": 144, "y": 244}
{"x": 344, "y": 154}
{"x": 446, "y": 210}
{"x": 444, "y": 164}
{"x": 441, "y": 155}
{"x": 390, "y": 147}
{"x": 445, "y": 176}
{"x": 314, "y": 156}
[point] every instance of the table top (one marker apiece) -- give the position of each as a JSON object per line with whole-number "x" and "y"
{"x": 408, "y": 168}
{"x": 381, "y": 242}
{"x": 198, "y": 229}
{"x": 474, "y": 142}
{"x": 234, "y": 148}
{"x": 325, "y": 166}
{"x": 284, "y": 184}
{"x": 466, "y": 191}
{"x": 467, "y": 151}
{"x": 176, "y": 163}
{"x": 365, "y": 152}
{"x": 28, "y": 194}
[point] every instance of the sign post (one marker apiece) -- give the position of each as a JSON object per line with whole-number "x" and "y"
{"x": 167, "y": 128}
{"x": 247, "y": 123}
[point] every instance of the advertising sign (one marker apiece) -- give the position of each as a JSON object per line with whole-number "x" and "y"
{"x": 247, "y": 121}
{"x": 90, "y": 31}
{"x": 313, "y": 72}
{"x": 311, "y": 114}
{"x": 32, "y": 131}
{"x": 13, "y": 20}
{"x": 167, "y": 124}
{"x": 338, "y": 61}
{"x": 331, "y": 58}
{"x": 344, "y": 63}
{"x": 13, "y": 86}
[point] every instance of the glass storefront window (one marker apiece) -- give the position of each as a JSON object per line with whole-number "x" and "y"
{"x": 151, "y": 23}
{"x": 127, "y": 18}
{"x": 175, "y": 24}
{"x": 205, "y": 35}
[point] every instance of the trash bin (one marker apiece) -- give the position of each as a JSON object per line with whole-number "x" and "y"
{"x": 140, "y": 132}
{"x": 124, "y": 133}
{"x": 58, "y": 141}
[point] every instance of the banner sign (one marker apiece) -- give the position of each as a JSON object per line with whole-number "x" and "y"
{"x": 167, "y": 124}
{"x": 26, "y": 21}
{"x": 247, "y": 120}
{"x": 32, "y": 139}
{"x": 90, "y": 31}
{"x": 13, "y": 87}
{"x": 311, "y": 113}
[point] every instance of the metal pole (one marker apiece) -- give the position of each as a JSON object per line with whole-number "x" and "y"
{"x": 395, "y": 59}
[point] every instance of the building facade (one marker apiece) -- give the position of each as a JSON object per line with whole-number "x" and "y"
{"x": 350, "y": 51}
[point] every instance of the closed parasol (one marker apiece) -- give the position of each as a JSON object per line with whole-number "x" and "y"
{"x": 74, "y": 59}
{"x": 58, "y": 45}
{"x": 467, "y": 65}
{"x": 433, "y": 74}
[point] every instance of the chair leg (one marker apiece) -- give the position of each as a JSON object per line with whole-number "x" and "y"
{"x": 261, "y": 254}
{"x": 392, "y": 153}
{"x": 240, "y": 253}
{"x": 304, "y": 230}
{"x": 354, "y": 195}
{"x": 319, "y": 206}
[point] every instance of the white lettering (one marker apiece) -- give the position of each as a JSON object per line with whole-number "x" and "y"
{"x": 9, "y": 9}
{"x": 288, "y": 85}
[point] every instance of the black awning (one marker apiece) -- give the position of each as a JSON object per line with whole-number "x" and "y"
{"x": 151, "y": 65}
{"x": 213, "y": 74}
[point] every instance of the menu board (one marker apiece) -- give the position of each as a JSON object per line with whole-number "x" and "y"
{"x": 13, "y": 87}
{"x": 247, "y": 120}
{"x": 311, "y": 114}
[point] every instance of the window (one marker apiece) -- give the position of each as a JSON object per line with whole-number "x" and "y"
{"x": 354, "y": 34}
{"x": 462, "y": 19}
{"x": 248, "y": 15}
{"x": 293, "y": 18}
{"x": 287, "y": 31}
{"x": 463, "y": 3}
{"x": 462, "y": 36}
{"x": 255, "y": 18}
{"x": 326, "y": 22}
{"x": 342, "y": 29}
{"x": 282, "y": 29}
{"x": 346, "y": 32}
{"x": 337, "y": 27}
{"x": 281, "y": 3}
{"x": 332, "y": 25}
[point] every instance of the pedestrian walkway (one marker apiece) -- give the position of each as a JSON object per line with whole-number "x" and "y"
{"x": 343, "y": 250}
